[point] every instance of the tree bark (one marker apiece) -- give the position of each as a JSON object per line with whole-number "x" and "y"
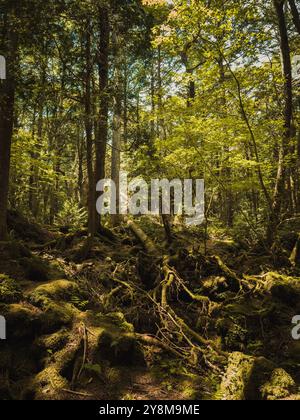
{"x": 117, "y": 127}
{"x": 295, "y": 15}
{"x": 102, "y": 135}
{"x": 89, "y": 134}
{"x": 288, "y": 115}
{"x": 7, "y": 100}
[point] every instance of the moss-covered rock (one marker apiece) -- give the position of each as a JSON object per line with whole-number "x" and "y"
{"x": 56, "y": 290}
{"x": 244, "y": 377}
{"x": 286, "y": 289}
{"x": 35, "y": 269}
{"x": 56, "y": 316}
{"x": 281, "y": 385}
{"x": 55, "y": 300}
{"x": 10, "y": 291}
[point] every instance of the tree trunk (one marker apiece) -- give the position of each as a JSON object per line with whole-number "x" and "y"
{"x": 34, "y": 173}
{"x": 7, "y": 100}
{"x": 288, "y": 114}
{"x": 117, "y": 127}
{"x": 102, "y": 135}
{"x": 89, "y": 134}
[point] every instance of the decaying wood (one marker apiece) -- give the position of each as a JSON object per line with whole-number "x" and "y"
{"x": 147, "y": 243}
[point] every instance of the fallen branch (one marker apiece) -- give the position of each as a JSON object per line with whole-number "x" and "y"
{"x": 80, "y": 394}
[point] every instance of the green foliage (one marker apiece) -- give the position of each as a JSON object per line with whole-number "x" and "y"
{"x": 71, "y": 215}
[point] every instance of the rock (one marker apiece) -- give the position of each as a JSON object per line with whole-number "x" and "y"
{"x": 281, "y": 385}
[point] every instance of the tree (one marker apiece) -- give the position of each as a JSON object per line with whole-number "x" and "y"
{"x": 8, "y": 47}
{"x": 284, "y": 146}
{"x": 103, "y": 68}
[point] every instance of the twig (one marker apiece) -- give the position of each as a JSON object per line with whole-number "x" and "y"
{"x": 80, "y": 394}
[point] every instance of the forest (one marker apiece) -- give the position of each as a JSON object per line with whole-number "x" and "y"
{"x": 101, "y": 302}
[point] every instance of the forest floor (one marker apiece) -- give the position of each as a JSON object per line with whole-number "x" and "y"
{"x": 113, "y": 321}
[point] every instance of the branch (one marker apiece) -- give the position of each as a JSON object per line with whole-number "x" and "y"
{"x": 295, "y": 14}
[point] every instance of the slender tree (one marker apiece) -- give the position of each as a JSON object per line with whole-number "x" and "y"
{"x": 103, "y": 68}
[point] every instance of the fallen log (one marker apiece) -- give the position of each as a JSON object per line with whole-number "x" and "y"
{"x": 147, "y": 243}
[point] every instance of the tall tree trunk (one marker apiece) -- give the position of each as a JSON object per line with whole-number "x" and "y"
{"x": 288, "y": 115}
{"x": 227, "y": 205}
{"x": 80, "y": 176}
{"x": 7, "y": 100}
{"x": 89, "y": 134}
{"x": 102, "y": 135}
{"x": 34, "y": 172}
{"x": 117, "y": 127}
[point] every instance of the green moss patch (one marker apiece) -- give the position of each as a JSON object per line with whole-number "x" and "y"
{"x": 10, "y": 291}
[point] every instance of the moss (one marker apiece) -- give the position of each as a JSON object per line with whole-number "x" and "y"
{"x": 55, "y": 271}
{"x": 190, "y": 390}
{"x": 234, "y": 336}
{"x": 236, "y": 378}
{"x": 22, "y": 320}
{"x": 120, "y": 350}
{"x": 56, "y": 315}
{"x": 284, "y": 288}
{"x": 51, "y": 299}
{"x": 113, "y": 376}
{"x": 118, "y": 319}
{"x": 244, "y": 377}
{"x": 48, "y": 383}
{"x": 35, "y": 269}
{"x": 281, "y": 385}
{"x": 56, "y": 290}
{"x": 14, "y": 250}
{"x": 10, "y": 292}
{"x": 53, "y": 342}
